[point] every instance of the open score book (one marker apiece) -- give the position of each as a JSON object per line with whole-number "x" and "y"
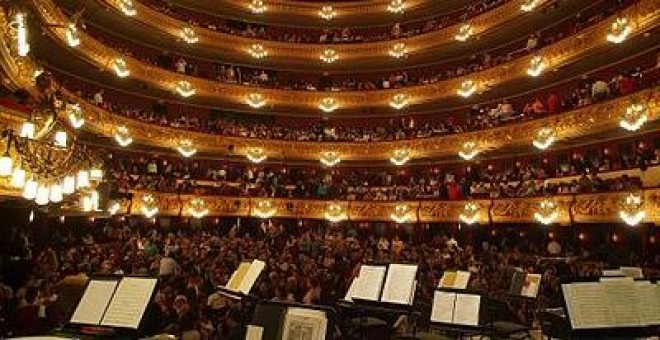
{"x": 245, "y": 276}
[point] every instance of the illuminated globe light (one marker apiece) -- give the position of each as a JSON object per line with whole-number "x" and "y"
{"x": 399, "y": 101}
{"x": 121, "y": 68}
{"x": 396, "y": 6}
{"x": 28, "y": 130}
{"x": 401, "y": 214}
{"x": 468, "y": 150}
{"x": 127, "y": 8}
{"x": 186, "y": 148}
{"x": 256, "y": 155}
{"x": 257, "y": 51}
{"x": 330, "y": 158}
{"x": 43, "y": 195}
{"x": 547, "y": 212}
{"x": 329, "y": 56}
{"x": 188, "y": 35}
{"x": 465, "y": 31}
{"x": 257, "y": 6}
{"x": 72, "y": 37}
{"x": 68, "y": 185}
{"x": 22, "y": 44}
{"x": 529, "y": 5}
{"x": 264, "y": 209}
{"x": 544, "y": 138}
{"x": 635, "y": 117}
{"x": 619, "y": 31}
{"x": 18, "y": 178}
{"x": 399, "y": 50}
{"x": 536, "y": 66}
{"x": 468, "y": 88}
{"x": 76, "y": 117}
{"x": 470, "y": 213}
{"x": 82, "y": 179}
{"x": 335, "y": 213}
{"x": 6, "y": 165}
{"x": 56, "y": 194}
{"x": 30, "y": 189}
{"x": 327, "y": 13}
{"x": 185, "y": 89}
{"x": 632, "y": 212}
{"x": 123, "y": 137}
{"x": 255, "y": 100}
{"x": 400, "y": 157}
{"x": 328, "y": 104}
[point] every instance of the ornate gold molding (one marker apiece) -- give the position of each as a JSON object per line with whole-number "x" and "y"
{"x": 643, "y": 16}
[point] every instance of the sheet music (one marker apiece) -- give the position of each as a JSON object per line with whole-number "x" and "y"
{"x": 531, "y": 285}
{"x": 649, "y": 302}
{"x": 369, "y": 283}
{"x": 621, "y": 298}
{"x": 254, "y": 332}
{"x": 251, "y": 276}
{"x": 94, "y": 301}
{"x": 612, "y": 272}
{"x": 305, "y": 324}
{"x": 586, "y": 305}
{"x": 455, "y": 279}
{"x": 129, "y": 302}
{"x": 238, "y": 275}
{"x": 399, "y": 283}
{"x": 466, "y": 309}
{"x": 443, "y": 307}
{"x": 634, "y": 272}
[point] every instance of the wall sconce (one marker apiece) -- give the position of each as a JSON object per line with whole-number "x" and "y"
{"x": 72, "y": 38}
{"x": 536, "y": 66}
{"x": 547, "y": 212}
{"x": 544, "y": 138}
{"x": 400, "y": 157}
{"x": 330, "y": 158}
{"x": 120, "y": 68}
{"x": 188, "y": 35}
{"x": 619, "y": 31}
{"x": 255, "y": 100}
{"x": 123, "y": 137}
{"x": 257, "y": 51}
{"x": 401, "y": 214}
{"x": 468, "y": 150}
{"x": 399, "y": 50}
{"x": 396, "y": 6}
{"x": 186, "y": 148}
{"x": 149, "y": 208}
{"x": 127, "y": 8}
{"x": 76, "y": 117}
{"x": 529, "y": 5}
{"x": 197, "y": 208}
{"x": 328, "y": 104}
{"x": 329, "y": 56}
{"x": 468, "y": 88}
{"x": 19, "y": 28}
{"x": 257, "y": 6}
{"x": 256, "y": 155}
{"x": 635, "y": 116}
{"x": 327, "y": 13}
{"x": 470, "y": 213}
{"x": 399, "y": 101}
{"x": 464, "y": 32}
{"x": 264, "y": 209}
{"x": 335, "y": 213}
{"x": 185, "y": 89}
{"x": 633, "y": 211}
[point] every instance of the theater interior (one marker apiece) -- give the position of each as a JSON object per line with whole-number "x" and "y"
{"x": 337, "y": 169}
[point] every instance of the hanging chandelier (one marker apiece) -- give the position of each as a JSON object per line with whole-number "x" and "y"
{"x": 327, "y": 13}
{"x": 529, "y": 5}
{"x": 188, "y": 35}
{"x": 328, "y": 104}
{"x": 635, "y": 117}
{"x": 470, "y": 213}
{"x": 396, "y": 6}
{"x": 330, "y": 158}
{"x": 120, "y": 68}
{"x": 257, "y": 6}
{"x": 123, "y": 136}
{"x": 398, "y": 50}
{"x": 335, "y": 213}
{"x": 197, "y": 208}
{"x": 464, "y": 32}
{"x": 401, "y": 214}
{"x": 468, "y": 150}
{"x": 619, "y": 31}
{"x": 468, "y": 88}
{"x": 544, "y": 138}
{"x": 632, "y": 211}
{"x": 264, "y": 209}
{"x": 329, "y": 56}
{"x": 127, "y": 8}
{"x": 255, "y": 100}
{"x": 72, "y": 37}
{"x": 256, "y": 155}
{"x": 186, "y": 148}
{"x": 400, "y": 157}
{"x": 547, "y": 212}
{"x": 149, "y": 208}
{"x": 399, "y": 101}
{"x": 185, "y": 89}
{"x": 257, "y": 51}
{"x": 536, "y": 66}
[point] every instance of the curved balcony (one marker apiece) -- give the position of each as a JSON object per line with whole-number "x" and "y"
{"x": 557, "y": 55}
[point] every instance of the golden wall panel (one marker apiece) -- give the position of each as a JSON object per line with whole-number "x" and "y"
{"x": 521, "y": 210}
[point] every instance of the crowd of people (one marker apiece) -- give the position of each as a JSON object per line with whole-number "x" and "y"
{"x": 582, "y": 173}
{"x": 251, "y": 76}
{"x": 310, "y": 265}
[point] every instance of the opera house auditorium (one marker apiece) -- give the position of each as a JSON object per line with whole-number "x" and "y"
{"x": 337, "y": 169}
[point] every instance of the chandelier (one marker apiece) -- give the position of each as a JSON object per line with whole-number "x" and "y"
{"x": 544, "y": 138}
{"x": 329, "y": 56}
{"x": 335, "y": 213}
{"x": 619, "y": 31}
{"x": 635, "y": 116}
{"x": 186, "y": 148}
{"x": 197, "y": 208}
{"x": 547, "y": 212}
{"x": 264, "y": 209}
{"x": 468, "y": 88}
{"x": 400, "y": 157}
{"x": 470, "y": 213}
{"x": 127, "y": 8}
{"x": 75, "y": 115}
{"x": 72, "y": 37}
{"x": 327, "y": 13}
{"x": 257, "y": 51}
{"x": 464, "y": 32}
{"x": 328, "y": 104}
{"x": 149, "y": 208}
{"x": 256, "y": 155}
{"x": 123, "y": 136}
{"x": 185, "y": 89}
{"x": 120, "y": 68}
{"x": 255, "y": 100}
{"x": 330, "y": 158}
{"x": 633, "y": 211}
{"x": 468, "y": 150}
{"x": 401, "y": 214}
{"x": 399, "y": 50}
{"x": 396, "y": 6}
{"x": 536, "y": 66}
{"x": 18, "y": 32}
{"x": 529, "y": 5}
{"x": 257, "y": 6}
{"x": 188, "y": 35}
{"x": 399, "y": 101}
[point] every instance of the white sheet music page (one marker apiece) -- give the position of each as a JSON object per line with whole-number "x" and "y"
{"x": 129, "y": 302}
{"x": 531, "y": 285}
{"x": 586, "y": 305}
{"x": 462, "y": 279}
{"x": 622, "y": 300}
{"x": 399, "y": 283}
{"x": 443, "y": 307}
{"x": 369, "y": 283}
{"x": 649, "y": 302}
{"x": 466, "y": 310}
{"x": 254, "y": 332}
{"x": 94, "y": 301}
{"x": 251, "y": 276}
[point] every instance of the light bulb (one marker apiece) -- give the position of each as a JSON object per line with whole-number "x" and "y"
{"x": 68, "y": 185}
{"x": 6, "y": 165}
{"x": 18, "y": 178}
{"x": 27, "y": 130}
{"x": 56, "y": 195}
{"x": 30, "y": 189}
{"x": 42, "y": 195}
{"x": 82, "y": 179}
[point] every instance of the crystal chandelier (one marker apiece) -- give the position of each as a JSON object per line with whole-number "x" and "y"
{"x": 536, "y": 66}
{"x": 330, "y": 158}
{"x": 188, "y": 35}
{"x": 529, "y": 5}
{"x": 120, "y": 68}
{"x": 399, "y": 101}
{"x": 335, "y": 213}
{"x": 470, "y": 213}
{"x": 400, "y": 157}
{"x": 186, "y": 148}
{"x": 468, "y": 150}
{"x": 18, "y": 32}
{"x": 127, "y": 8}
{"x": 197, "y": 208}
{"x": 257, "y": 6}
{"x": 401, "y": 214}
{"x": 327, "y": 13}
{"x": 123, "y": 136}
{"x": 633, "y": 211}
{"x": 264, "y": 209}
{"x": 72, "y": 37}
{"x": 149, "y": 208}
{"x": 256, "y": 155}
{"x": 464, "y": 32}
{"x": 399, "y": 50}
{"x": 255, "y": 100}
{"x": 328, "y": 104}
{"x": 619, "y": 31}
{"x": 396, "y": 6}
{"x": 468, "y": 88}
{"x": 185, "y": 89}
{"x": 75, "y": 114}
{"x": 329, "y": 56}
{"x": 547, "y": 212}
{"x": 544, "y": 138}
{"x": 635, "y": 116}
{"x": 257, "y": 51}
